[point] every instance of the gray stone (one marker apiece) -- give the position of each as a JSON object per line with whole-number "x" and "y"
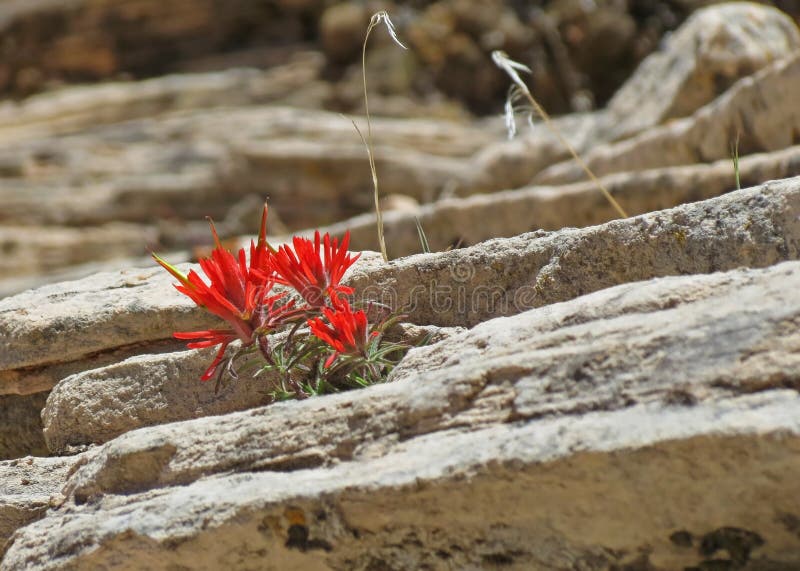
{"x": 307, "y": 177}
{"x": 99, "y": 404}
{"x": 28, "y": 486}
{"x": 752, "y": 227}
{"x": 602, "y": 429}
{"x": 758, "y": 108}
{"x": 715, "y": 47}
{"x": 76, "y": 109}
{"x": 476, "y": 375}
{"x": 467, "y": 221}
{"x": 74, "y": 320}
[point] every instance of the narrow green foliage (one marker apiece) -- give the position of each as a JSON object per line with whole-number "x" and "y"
{"x": 423, "y": 240}
{"x": 735, "y": 157}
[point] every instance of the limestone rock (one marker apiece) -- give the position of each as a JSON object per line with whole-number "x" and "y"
{"x": 473, "y": 219}
{"x": 307, "y": 177}
{"x": 530, "y": 435}
{"x": 36, "y": 250}
{"x": 99, "y": 404}
{"x": 74, "y": 320}
{"x": 757, "y": 107}
{"x": 28, "y": 486}
{"x": 753, "y": 227}
{"x": 713, "y": 49}
{"x": 78, "y": 108}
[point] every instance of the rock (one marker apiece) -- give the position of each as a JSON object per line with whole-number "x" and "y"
{"x": 753, "y": 227}
{"x": 160, "y": 176}
{"x": 30, "y": 486}
{"x": 342, "y": 28}
{"x": 99, "y": 404}
{"x": 514, "y": 163}
{"x": 529, "y": 435}
{"x": 481, "y": 217}
{"x": 77, "y": 320}
{"x": 473, "y": 360}
{"x": 306, "y": 177}
{"x": 85, "y": 40}
{"x": 713, "y": 49}
{"x": 35, "y": 250}
{"x": 21, "y": 426}
{"x": 398, "y": 203}
{"x": 79, "y": 108}
{"x": 756, "y": 108}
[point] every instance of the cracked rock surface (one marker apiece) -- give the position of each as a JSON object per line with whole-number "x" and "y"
{"x": 531, "y": 435}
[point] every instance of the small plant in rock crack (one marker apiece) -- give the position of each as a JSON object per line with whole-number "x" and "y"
{"x": 305, "y": 332}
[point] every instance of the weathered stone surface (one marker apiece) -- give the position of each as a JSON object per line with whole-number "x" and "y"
{"x": 75, "y": 109}
{"x": 606, "y": 489}
{"x": 196, "y": 163}
{"x": 758, "y": 108}
{"x": 752, "y": 227}
{"x": 21, "y": 425}
{"x": 99, "y": 404}
{"x": 27, "y": 487}
{"x": 35, "y": 250}
{"x": 70, "y": 321}
{"x": 483, "y": 449}
{"x": 715, "y": 47}
{"x": 467, "y": 221}
{"x": 561, "y": 340}
{"x": 307, "y": 177}
{"x": 59, "y": 192}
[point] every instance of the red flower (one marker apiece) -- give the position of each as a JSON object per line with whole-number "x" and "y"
{"x": 209, "y": 339}
{"x": 237, "y": 290}
{"x": 347, "y": 331}
{"x": 314, "y": 269}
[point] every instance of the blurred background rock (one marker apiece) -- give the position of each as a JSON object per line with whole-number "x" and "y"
{"x": 125, "y": 122}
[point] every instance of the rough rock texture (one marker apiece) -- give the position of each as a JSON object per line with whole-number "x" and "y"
{"x": 74, "y": 321}
{"x": 76, "y": 109}
{"x": 759, "y": 109}
{"x": 29, "y": 250}
{"x": 715, "y": 47}
{"x": 161, "y": 154}
{"x": 307, "y": 177}
{"x": 753, "y": 227}
{"x": 28, "y": 486}
{"x": 469, "y": 220}
{"x": 569, "y": 44}
{"x": 484, "y": 452}
{"x": 21, "y": 425}
{"x": 99, "y": 404}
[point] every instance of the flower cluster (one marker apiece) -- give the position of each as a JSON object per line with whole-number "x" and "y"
{"x": 328, "y": 344}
